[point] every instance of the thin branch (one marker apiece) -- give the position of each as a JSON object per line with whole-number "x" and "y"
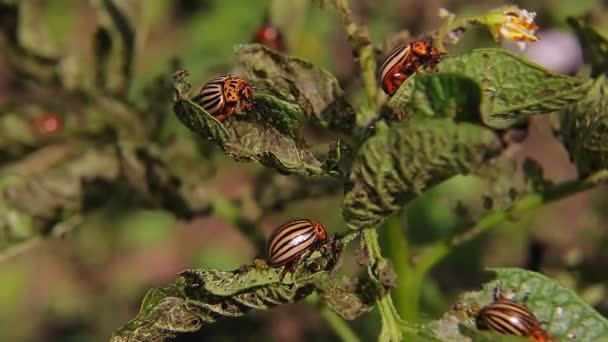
{"x": 338, "y": 325}
{"x": 390, "y": 318}
{"x": 432, "y": 255}
{"x": 358, "y": 36}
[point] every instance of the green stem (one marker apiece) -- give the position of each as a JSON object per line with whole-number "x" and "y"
{"x": 338, "y": 325}
{"x": 432, "y": 255}
{"x": 233, "y": 214}
{"x": 335, "y": 322}
{"x": 391, "y": 330}
{"x": 358, "y": 36}
{"x": 407, "y": 289}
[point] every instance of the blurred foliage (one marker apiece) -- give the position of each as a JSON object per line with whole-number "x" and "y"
{"x": 110, "y": 188}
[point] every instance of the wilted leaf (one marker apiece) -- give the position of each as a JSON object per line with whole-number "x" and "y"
{"x": 267, "y": 133}
{"x": 50, "y": 186}
{"x": 513, "y": 88}
{"x": 559, "y": 310}
{"x": 397, "y": 164}
{"x": 594, "y": 44}
{"x": 350, "y": 298}
{"x": 584, "y": 130}
{"x": 201, "y": 297}
{"x": 19, "y": 53}
{"x": 438, "y": 95}
{"x": 161, "y": 184}
{"x": 114, "y": 49}
{"x": 315, "y": 90}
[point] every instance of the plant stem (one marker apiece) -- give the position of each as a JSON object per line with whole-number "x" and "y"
{"x": 358, "y": 36}
{"x": 231, "y": 213}
{"x": 338, "y": 325}
{"x": 407, "y": 289}
{"x": 433, "y": 254}
{"x": 390, "y": 318}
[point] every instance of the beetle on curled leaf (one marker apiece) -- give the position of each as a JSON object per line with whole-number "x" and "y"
{"x": 508, "y": 317}
{"x": 403, "y": 61}
{"x": 221, "y": 96}
{"x": 290, "y": 240}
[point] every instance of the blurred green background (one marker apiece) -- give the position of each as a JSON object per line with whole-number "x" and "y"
{"x": 82, "y": 287}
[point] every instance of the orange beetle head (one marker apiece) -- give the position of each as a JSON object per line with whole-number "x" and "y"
{"x": 245, "y": 93}
{"x": 420, "y": 48}
{"x": 319, "y": 230}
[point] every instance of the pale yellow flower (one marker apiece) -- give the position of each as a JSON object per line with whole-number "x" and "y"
{"x": 517, "y": 25}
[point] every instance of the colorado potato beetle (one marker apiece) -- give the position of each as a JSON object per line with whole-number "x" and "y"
{"x": 508, "y": 317}
{"x": 293, "y": 238}
{"x": 403, "y": 61}
{"x": 221, "y": 96}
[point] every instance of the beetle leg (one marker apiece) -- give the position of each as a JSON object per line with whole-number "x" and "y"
{"x": 246, "y": 105}
{"x": 227, "y": 113}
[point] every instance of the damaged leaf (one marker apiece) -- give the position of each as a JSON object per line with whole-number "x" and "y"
{"x": 438, "y": 95}
{"x": 201, "y": 297}
{"x": 292, "y": 79}
{"x": 267, "y": 133}
{"x": 584, "y": 130}
{"x": 395, "y": 166}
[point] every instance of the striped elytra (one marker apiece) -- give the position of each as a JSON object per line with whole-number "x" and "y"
{"x": 403, "y": 61}
{"x": 221, "y": 95}
{"x": 293, "y": 238}
{"x": 508, "y": 317}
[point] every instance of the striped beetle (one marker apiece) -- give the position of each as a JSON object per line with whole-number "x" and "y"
{"x": 508, "y": 317}
{"x": 293, "y": 238}
{"x": 220, "y": 96}
{"x": 403, "y": 61}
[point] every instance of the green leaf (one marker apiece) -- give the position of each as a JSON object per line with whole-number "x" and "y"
{"x": 513, "y": 88}
{"x": 266, "y": 134}
{"x": 594, "y": 43}
{"x": 397, "y": 164}
{"x": 559, "y": 310}
{"x": 438, "y": 95}
{"x": 292, "y": 79}
{"x": 584, "y": 130}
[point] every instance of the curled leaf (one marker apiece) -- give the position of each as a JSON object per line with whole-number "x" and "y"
{"x": 438, "y": 95}
{"x": 594, "y": 44}
{"x": 584, "y": 130}
{"x": 512, "y": 87}
{"x": 201, "y": 297}
{"x": 292, "y": 79}
{"x": 266, "y": 134}
{"x": 397, "y": 164}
